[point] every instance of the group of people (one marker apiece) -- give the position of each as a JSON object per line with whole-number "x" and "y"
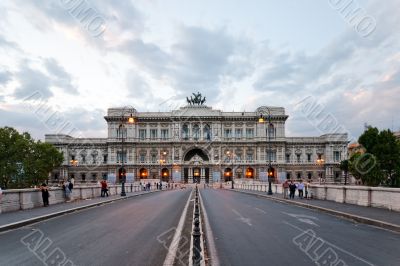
{"x": 290, "y": 187}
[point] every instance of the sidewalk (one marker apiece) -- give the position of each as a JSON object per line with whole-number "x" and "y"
{"x": 41, "y": 213}
{"x": 351, "y": 211}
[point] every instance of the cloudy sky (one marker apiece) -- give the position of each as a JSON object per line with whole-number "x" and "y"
{"x": 333, "y": 64}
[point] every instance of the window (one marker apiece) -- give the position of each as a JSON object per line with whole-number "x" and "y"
{"x": 105, "y": 158}
{"x": 238, "y": 133}
{"x": 164, "y": 134}
{"x": 298, "y": 158}
{"x": 185, "y": 132}
{"x": 336, "y": 156}
{"x": 287, "y": 158}
{"x": 288, "y": 176}
{"x": 121, "y": 156}
{"x": 121, "y": 132}
{"x": 142, "y": 134}
{"x": 196, "y": 132}
{"x": 142, "y": 157}
{"x": 83, "y": 158}
{"x": 249, "y": 157}
{"x": 271, "y": 131}
{"x": 309, "y": 175}
{"x": 309, "y": 157}
{"x": 228, "y": 133}
{"x": 207, "y": 132}
{"x": 153, "y": 133}
{"x": 271, "y": 156}
{"x": 153, "y": 158}
{"x": 94, "y": 177}
{"x": 249, "y": 133}
{"x": 83, "y": 177}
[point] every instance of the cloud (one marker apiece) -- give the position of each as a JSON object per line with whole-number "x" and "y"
{"x": 32, "y": 81}
{"x": 5, "y": 76}
{"x": 59, "y": 76}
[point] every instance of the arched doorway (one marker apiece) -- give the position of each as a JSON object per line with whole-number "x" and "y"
{"x": 249, "y": 172}
{"x": 165, "y": 175}
{"x": 122, "y": 174}
{"x": 228, "y": 174}
{"x": 143, "y": 173}
{"x": 196, "y": 168}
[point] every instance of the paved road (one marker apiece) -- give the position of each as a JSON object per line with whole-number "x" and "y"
{"x": 255, "y": 231}
{"x": 119, "y": 233}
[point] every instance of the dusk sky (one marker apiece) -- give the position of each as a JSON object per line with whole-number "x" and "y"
{"x": 239, "y": 54}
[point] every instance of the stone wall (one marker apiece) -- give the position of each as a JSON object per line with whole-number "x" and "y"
{"x": 388, "y": 198}
{"x": 380, "y": 197}
{"x": 22, "y": 199}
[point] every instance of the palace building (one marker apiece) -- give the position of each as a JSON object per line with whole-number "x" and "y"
{"x": 199, "y": 144}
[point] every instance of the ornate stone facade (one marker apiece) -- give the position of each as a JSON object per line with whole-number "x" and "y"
{"x": 199, "y": 144}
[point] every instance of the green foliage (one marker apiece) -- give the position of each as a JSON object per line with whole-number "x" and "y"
{"x": 23, "y": 161}
{"x": 381, "y": 163}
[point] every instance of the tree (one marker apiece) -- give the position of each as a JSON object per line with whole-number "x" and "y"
{"x": 23, "y": 161}
{"x": 344, "y": 166}
{"x": 383, "y": 148}
{"x": 366, "y": 168}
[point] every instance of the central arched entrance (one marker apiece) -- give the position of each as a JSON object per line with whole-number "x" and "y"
{"x": 196, "y": 168}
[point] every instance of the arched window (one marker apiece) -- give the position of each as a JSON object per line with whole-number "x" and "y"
{"x": 207, "y": 132}
{"x": 196, "y": 132}
{"x": 271, "y": 131}
{"x": 185, "y": 132}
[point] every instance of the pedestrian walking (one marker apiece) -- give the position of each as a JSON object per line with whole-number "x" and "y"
{"x": 285, "y": 187}
{"x": 292, "y": 189}
{"x": 104, "y": 188}
{"x": 157, "y": 186}
{"x": 1, "y": 194}
{"x": 45, "y": 194}
{"x": 307, "y": 189}
{"x": 67, "y": 191}
{"x": 300, "y": 188}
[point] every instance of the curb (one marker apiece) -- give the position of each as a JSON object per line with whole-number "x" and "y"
{"x": 22, "y": 223}
{"x": 357, "y": 218}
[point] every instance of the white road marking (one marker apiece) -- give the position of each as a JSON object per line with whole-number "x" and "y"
{"x": 303, "y": 218}
{"x": 173, "y": 247}
{"x": 212, "y": 251}
{"x": 242, "y": 219}
{"x": 260, "y": 210}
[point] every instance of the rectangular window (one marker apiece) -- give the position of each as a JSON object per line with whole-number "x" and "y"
{"x": 228, "y": 133}
{"x": 153, "y": 133}
{"x": 105, "y": 158}
{"x": 238, "y": 133}
{"x": 288, "y": 176}
{"x": 249, "y": 157}
{"x": 142, "y": 158}
{"x": 142, "y": 134}
{"x": 287, "y": 158}
{"x": 299, "y": 158}
{"x": 164, "y": 134}
{"x": 121, "y": 157}
{"x": 153, "y": 158}
{"x": 336, "y": 156}
{"x": 271, "y": 156}
{"x": 121, "y": 132}
{"x": 249, "y": 133}
{"x": 309, "y": 158}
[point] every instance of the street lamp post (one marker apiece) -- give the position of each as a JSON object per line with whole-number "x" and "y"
{"x": 320, "y": 162}
{"x": 270, "y": 172}
{"x": 121, "y": 128}
{"x": 231, "y": 156}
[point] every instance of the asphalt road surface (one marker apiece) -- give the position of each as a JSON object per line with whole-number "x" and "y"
{"x": 135, "y": 231}
{"x": 254, "y": 231}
